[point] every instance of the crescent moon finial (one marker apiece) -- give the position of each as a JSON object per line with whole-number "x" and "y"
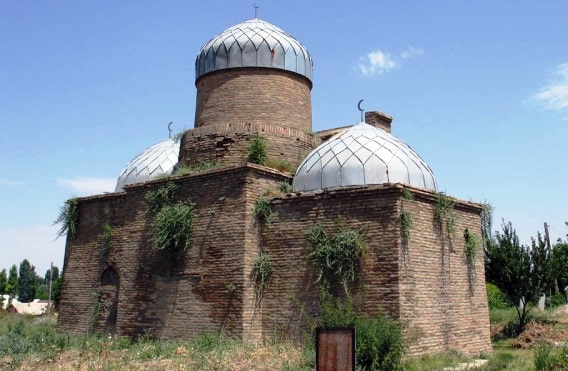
{"x": 361, "y": 109}
{"x": 170, "y": 129}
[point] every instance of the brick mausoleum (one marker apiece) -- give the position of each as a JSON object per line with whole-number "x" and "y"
{"x": 254, "y": 80}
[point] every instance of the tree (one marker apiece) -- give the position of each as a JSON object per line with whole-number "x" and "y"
{"x": 27, "y": 282}
{"x": 522, "y": 273}
{"x": 3, "y": 281}
{"x": 560, "y": 263}
{"x": 12, "y": 284}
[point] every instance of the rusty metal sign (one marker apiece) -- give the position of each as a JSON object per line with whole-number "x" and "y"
{"x": 335, "y": 348}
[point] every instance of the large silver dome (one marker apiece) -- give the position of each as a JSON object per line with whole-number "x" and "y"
{"x": 362, "y": 155}
{"x": 254, "y": 43}
{"x": 154, "y": 161}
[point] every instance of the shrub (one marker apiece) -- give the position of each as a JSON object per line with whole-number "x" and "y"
{"x": 172, "y": 226}
{"x": 261, "y": 272}
{"x": 261, "y": 209}
{"x": 285, "y": 187}
{"x": 256, "y": 151}
{"x": 547, "y": 358}
{"x": 557, "y": 299}
{"x": 337, "y": 257}
{"x": 162, "y": 196}
{"x": 68, "y": 217}
{"x": 379, "y": 341}
{"x": 496, "y": 299}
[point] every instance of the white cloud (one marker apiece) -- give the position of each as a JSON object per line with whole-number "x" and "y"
{"x": 88, "y": 186}
{"x": 376, "y": 62}
{"x": 555, "y": 95}
{"x": 379, "y": 62}
{"x": 12, "y": 183}
{"x": 36, "y": 243}
{"x": 411, "y": 52}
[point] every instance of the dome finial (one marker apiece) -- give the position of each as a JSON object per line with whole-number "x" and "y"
{"x": 361, "y": 110}
{"x": 170, "y": 130}
{"x": 256, "y": 10}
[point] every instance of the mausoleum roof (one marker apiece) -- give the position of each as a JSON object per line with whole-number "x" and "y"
{"x": 362, "y": 155}
{"x": 254, "y": 43}
{"x": 154, "y": 161}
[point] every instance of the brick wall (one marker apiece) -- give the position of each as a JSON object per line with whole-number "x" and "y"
{"x": 227, "y": 144}
{"x": 423, "y": 281}
{"x": 255, "y": 96}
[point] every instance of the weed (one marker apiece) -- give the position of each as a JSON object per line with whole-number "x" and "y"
{"x": 262, "y": 210}
{"x": 444, "y": 214}
{"x": 281, "y": 165}
{"x": 172, "y": 226}
{"x": 407, "y": 194}
{"x": 155, "y": 200}
{"x": 285, "y": 187}
{"x": 256, "y": 151}
{"x": 68, "y": 217}
{"x": 406, "y": 223}
{"x": 261, "y": 273}
{"x": 107, "y": 236}
{"x": 197, "y": 168}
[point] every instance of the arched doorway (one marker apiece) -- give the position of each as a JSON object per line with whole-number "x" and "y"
{"x": 110, "y": 283}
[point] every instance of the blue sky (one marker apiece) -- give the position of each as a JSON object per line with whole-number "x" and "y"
{"x": 479, "y": 89}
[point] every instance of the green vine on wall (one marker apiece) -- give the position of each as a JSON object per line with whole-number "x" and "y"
{"x": 262, "y": 210}
{"x": 406, "y": 224}
{"x": 107, "y": 236}
{"x": 471, "y": 247}
{"x": 261, "y": 273}
{"x": 96, "y": 312}
{"x": 68, "y": 218}
{"x": 336, "y": 258}
{"x": 444, "y": 214}
{"x": 172, "y": 221}
{"x": 407, "y": 194}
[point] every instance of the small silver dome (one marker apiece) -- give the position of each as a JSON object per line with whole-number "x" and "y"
{"x": 154, "y": 161}
{"x": 362, "y": 155}
{"x": 254, "y": 43}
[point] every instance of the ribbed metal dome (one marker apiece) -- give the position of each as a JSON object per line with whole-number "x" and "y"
{"x": 254, "y": 43}
{"x": 362, "y": 155}
{"x": 154, "y": 161}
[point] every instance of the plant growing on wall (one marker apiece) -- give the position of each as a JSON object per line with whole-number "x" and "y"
{"x": 107, "y": 236}
{"x": 172, "y": 221}
{"x": 285, "y": 187}
{"x": 172, "y": 226}
{"x": 197, "y": 168}
{"x": 96, "y": 312}
{"x": 261, "y": 209}
{"x": 471, "y": 247}
{"x": 162, "y": 196}
{"x": 68, "y": 217}
{"x": 256, "y": 151}
{"x": 405, "y": 224}
{"x": 261, "y": 273}
{"x": 444, "y": 214}
{"x": 335, "y": 258}
{"x": 407, "y": 194}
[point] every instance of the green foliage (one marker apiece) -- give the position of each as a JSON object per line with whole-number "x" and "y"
{"x": 335, "y": 258}
{"x": 162, "y": 196}
{"x": 496, "y": 299}
{"x": 471, "y": 248}
{"x": 12, "y": 284}
{"x": 172, "y": 226}
{"x": 96, "y": 312}
{"x": 406, "y": 223}
{"x": 519, "y": 271}
{"x": 197, "y": 168}
{"x": 261, "y": 273}
{"x": 68, "y": 217}
{"x": 380, "y": 343}
{"x": 560, "y": 263}
{"x": 107, "y": 236}
{"x": 262, "y": 210}
{"x": 281, "y": 165}
{"x": 407, "y": 194}
{"x": 26, "y": 282}
{"x": 444, "y": 215}
{"x": 557, "y": 300}
{"x": 3, "y": 281}
{"x": 285, "y": 187}
{"x": 256, "y": 151}
{"x": 548, "y": 358}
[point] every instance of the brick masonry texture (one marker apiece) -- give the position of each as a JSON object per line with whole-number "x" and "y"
{"x": 423, "y": 281}
{"x": 254, "y": 96}
{"x": 226, "y": 144}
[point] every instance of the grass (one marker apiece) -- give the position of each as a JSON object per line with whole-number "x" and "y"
{"x": 32, "y": 343}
